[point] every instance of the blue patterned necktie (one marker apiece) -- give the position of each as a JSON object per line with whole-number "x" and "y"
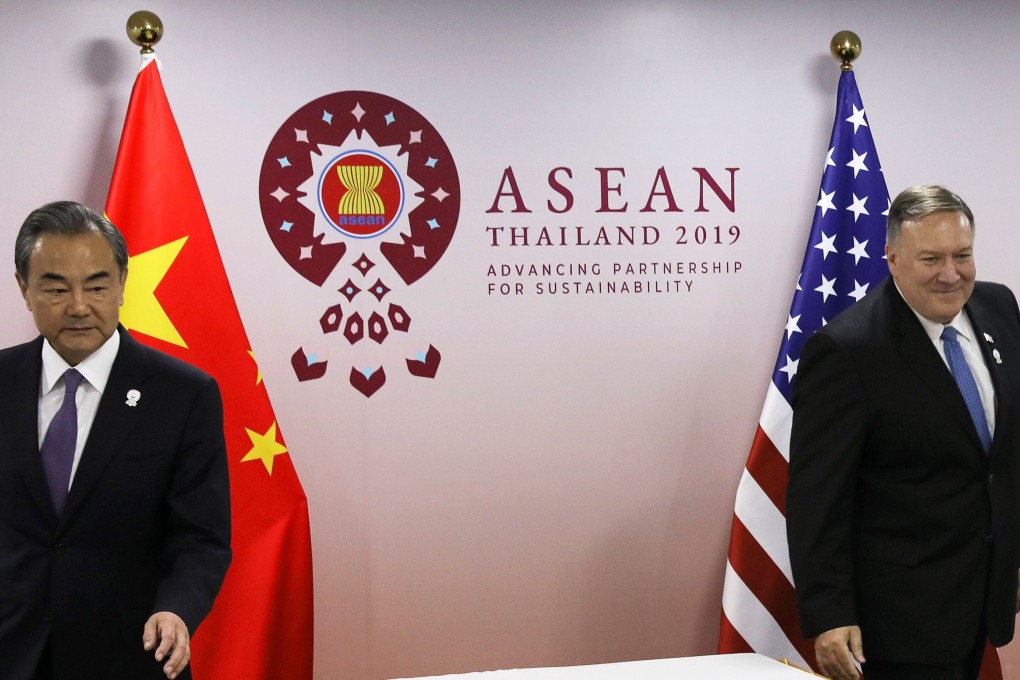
{"x": 965, "y": 381}
{"x": 61, "y": 438}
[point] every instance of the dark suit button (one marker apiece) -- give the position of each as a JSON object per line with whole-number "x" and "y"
{"x": 991, "y": 478}
{"x": 59, "y": 549}
{"x": 46, "y": 618}
{"x": 988, "y": 538}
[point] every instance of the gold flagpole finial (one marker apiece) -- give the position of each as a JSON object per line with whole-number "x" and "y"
{"x": 145, "y": 29}
{"x": 846, "y": 46}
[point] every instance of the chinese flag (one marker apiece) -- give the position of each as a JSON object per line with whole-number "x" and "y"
{"x": 178, "y": 300}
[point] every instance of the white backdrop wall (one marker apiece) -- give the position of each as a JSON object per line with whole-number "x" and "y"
{"x": 562, "y": 491}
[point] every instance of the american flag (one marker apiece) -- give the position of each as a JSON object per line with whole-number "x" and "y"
{"x": 844, "y": 259}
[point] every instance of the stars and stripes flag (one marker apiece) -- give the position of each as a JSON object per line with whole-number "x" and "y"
{"x": 177, "y": 299}
{"x": 844, "y": 259}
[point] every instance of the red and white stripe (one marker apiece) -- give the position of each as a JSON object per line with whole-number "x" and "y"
{"x": 759, "y": 606}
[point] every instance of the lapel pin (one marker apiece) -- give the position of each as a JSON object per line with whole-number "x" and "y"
{"x": 996, "y": 356}
{"x": 132, "y": 397}
{"x": 988, "y": 338}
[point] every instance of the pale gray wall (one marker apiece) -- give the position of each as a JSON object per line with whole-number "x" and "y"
{"x": 562, "y": 493}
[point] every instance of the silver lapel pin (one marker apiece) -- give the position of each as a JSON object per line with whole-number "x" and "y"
{"x": 132, "y": 397}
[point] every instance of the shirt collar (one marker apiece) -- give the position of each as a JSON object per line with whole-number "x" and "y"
{"x": 95, "y": 368}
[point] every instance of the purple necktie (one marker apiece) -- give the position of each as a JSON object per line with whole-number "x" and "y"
{"x": 58, "y": 446}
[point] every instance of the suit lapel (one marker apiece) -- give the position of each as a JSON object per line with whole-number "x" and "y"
{"x": 21, "y": 407}
{"x": 983, "y": 330}
{"x": 115, "y": 419}
{"x": 920, "y": 354}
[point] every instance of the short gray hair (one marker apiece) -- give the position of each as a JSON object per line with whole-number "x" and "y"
{"x": 65, "y": 218}
{"x": 920, "y": 201}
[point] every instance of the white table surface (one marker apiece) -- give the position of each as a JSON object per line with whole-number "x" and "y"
{"x": 716, "y": 667}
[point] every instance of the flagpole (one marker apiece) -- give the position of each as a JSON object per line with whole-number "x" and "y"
{"x": 845, "y": 46}
{"x": 145, "y": 29}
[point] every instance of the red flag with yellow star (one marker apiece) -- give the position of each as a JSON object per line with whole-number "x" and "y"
{"x": 178, "y": 300}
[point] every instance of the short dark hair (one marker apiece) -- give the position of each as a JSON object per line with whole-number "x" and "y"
{"x": 65, "y": 218}
{"x": 919, "y": 201}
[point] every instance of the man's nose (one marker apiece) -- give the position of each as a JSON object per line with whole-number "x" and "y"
{"x": 948, "y": 273}
{"x": 78, "y": 305}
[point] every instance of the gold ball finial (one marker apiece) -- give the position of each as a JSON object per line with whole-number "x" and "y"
{"x": 846, "y": 46}
{"x": 145, "y": 29}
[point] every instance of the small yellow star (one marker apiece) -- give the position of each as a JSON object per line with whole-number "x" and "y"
{"x": 142, "y": 312}
{"x": 258, "y": 377}
{"x": 264, "y": 447}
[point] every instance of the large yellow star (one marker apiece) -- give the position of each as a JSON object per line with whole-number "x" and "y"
{"x": 142, "y": 312}
{"x": 264, "y": 447}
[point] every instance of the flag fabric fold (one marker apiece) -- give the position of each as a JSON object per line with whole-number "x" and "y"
{"x": 178, "y": 300}
{"x": 843, "y": 260}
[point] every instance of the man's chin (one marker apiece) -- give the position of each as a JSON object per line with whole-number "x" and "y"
{"x": 75, "y": 347}
{"x": 947, "y": 313}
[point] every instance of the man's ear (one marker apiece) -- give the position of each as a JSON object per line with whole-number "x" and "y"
{"x": 890, "y": 256}
{"x": 123, "y": 282}
{"x": 23, "y": 285}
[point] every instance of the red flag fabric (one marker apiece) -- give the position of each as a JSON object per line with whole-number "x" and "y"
{"x": 178, "y": 300}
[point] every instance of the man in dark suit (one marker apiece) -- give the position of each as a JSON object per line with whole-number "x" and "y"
{"x": 114, "y": 496}
{"x": 902, "y": 512}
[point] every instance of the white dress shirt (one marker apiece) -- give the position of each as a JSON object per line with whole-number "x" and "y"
{"x": 96, "y": 371}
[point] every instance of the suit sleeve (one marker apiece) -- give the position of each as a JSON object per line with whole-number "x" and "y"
{"x": 197, "y": 548}
{"x": 826, "y": 445}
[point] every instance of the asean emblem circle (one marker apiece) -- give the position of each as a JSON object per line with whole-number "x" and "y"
{"x": 357, "y": 171}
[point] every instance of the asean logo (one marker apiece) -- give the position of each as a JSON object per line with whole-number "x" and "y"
{"x": 360, "y": 195}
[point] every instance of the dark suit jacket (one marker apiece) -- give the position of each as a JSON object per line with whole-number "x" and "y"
{"x": 146, "y": 526}
{"x": 897, "y": 520}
